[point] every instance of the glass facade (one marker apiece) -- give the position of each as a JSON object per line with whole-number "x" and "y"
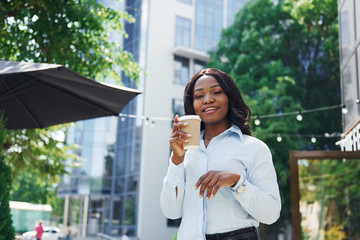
{"x": 208, "y": 23}
{"x": 182, "y": 32}
{"x": 357, "y": 14}
{"x": 181, "y": 70}
{"x": 111, "y": 149}
{"x": 232, "y": 8}
{"x": 177, "y": 107}
{"x": 198, "y": 66}
{"x": 349, "y": 25}
{"x": 347, "y": 28}
{"x": 108, "y": 179}
{"x": 350, "y": 93}
{"x": 97, "y": 138}
{"x": 127, "y": 167}
{"x": 185, "y": 1}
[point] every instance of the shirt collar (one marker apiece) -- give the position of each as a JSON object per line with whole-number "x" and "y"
{"x": 235, "y": 129}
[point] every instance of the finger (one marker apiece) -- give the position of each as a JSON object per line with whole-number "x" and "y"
{"x": 176, "y": 120}
{"x": 204, "y": 184}
{"x": 199, "y": 181}
{"x": 179, "y": 125}
{"x": 181, "y": 134}
{"x": 209, "y": 188}
{"x": 215, "y": 189}
{"x": 178, "y": 141}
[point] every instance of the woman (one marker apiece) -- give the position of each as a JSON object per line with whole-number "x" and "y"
{"x": 226, "y": 187}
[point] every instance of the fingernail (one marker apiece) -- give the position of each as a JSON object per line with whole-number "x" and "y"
{"x": 212, "y": 195}
{"x": 207, "y": 198}
{"x": 186, "y": 140}
{"x": 200, "y": 196}
{"x": 195, "y": 188}
{"x": 188, "y": 135}
{"x": 186, "y": 123}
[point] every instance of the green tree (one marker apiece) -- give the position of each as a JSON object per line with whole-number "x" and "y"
{"x": 334, "y": 184}
{"x": 73, "y": 33}
{"x": 6, "y": 229}
{"x": 284, "y": 58}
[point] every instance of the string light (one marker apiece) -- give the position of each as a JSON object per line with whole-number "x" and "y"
{"x": 299, "y": 117}
{"x": 344, "y": 110}
{"x": 257, "y": 121}
{"x": 302, "y": 112}
{"x": 147, "y": 121}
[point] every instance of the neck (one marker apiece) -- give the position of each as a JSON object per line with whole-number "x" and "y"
{"x": 212, "y": 131}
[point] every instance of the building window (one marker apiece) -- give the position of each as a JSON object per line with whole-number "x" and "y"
{"x": 347, "y": 28}
{"x": 174, "y": 222}
{"x": 357, "y": 14}
{"x": 186, "y": 1}
{"x": 181, "y": 70}
{"x": 177, "y": 107}
{"x": 350, "y": 92}
{"x": 208, "y": 23}
{"x": 182, "y": 32}
{"x": 233, "y": 7}
{"x": 198, "y": 66}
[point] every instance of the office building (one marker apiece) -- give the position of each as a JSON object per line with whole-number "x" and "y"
{"x": 118, "y": 188}
{"x": 349, "y": 34}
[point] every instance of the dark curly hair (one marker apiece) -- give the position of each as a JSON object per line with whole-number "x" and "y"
{"x": 239, "y": 113}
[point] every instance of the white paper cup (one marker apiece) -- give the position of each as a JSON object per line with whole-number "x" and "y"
{"x": 193, "y": 128}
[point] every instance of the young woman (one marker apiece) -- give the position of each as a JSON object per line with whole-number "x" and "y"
{"x": 226, "y": 187}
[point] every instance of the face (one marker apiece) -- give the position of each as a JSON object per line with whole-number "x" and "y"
{"x": 210, "y": 102}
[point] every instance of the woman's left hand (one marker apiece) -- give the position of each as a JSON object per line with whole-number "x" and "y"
{"x": 213, "y": 180}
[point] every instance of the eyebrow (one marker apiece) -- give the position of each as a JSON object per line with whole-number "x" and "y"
{"x": 199, "y": 89}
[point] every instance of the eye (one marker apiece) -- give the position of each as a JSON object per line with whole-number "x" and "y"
{"x": 198, "y": 96}
{"x": 218, "y": 92}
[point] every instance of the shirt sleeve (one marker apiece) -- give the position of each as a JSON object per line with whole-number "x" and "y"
{"x": 171, "y": 204}
{"x": 261, "y": 198}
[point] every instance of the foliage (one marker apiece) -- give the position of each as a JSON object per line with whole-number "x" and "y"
{"x": 38, "y": 152}
{"x": 73, "y": 33}
{"x": 284, "y": 58}
{"x": 334, "y": 184}
{"x": 29, "y": 188}
{"x": 6, "y": 229}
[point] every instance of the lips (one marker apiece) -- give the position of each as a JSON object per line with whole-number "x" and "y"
{"x": 209, "y": 109}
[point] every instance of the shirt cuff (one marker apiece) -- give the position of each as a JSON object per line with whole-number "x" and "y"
{"x": 238, "y": 184}
{"x": 175, "y": 173}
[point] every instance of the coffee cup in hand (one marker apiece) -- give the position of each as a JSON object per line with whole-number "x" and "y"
{"x": 192, "y": 128}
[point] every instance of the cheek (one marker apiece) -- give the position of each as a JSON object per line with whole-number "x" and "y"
{"x": 226, "y": 103}
{"x": 196, "y": 107}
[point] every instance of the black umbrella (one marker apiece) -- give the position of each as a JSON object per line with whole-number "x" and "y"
{"x": 37, "y": 95}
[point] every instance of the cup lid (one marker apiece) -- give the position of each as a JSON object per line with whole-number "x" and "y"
{"x": 186, "y": 117}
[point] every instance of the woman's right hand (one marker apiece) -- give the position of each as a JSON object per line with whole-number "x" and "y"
{"x": 177, "y": 140}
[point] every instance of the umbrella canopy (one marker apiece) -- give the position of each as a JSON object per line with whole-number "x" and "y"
{"x": 37, "y": 95}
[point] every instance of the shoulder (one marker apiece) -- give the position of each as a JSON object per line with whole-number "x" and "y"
{"x": 255, "y": 144}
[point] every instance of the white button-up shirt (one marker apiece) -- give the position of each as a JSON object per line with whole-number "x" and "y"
{"x": 228, "y": 210}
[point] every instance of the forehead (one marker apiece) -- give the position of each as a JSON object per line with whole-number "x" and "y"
{"x": 205, "y": 81}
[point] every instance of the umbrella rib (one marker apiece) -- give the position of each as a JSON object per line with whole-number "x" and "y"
{"x": 23, "y": 106}
{"x": 87, "y": 101}
{"x": 21, "y": 86}
{"x": 55, "y": 87}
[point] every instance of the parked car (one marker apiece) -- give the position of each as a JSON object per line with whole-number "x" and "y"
{"x": 50, "y": 233}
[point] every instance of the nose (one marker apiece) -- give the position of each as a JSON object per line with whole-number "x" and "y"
{"x": 208, "y": 99}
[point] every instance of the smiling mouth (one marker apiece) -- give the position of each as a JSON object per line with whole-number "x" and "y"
{"x": 209, "y": 109}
